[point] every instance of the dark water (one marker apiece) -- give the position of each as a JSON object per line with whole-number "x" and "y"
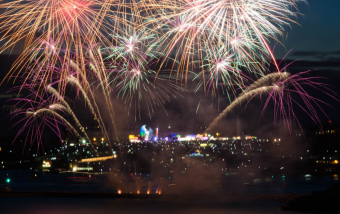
{"x": 230, "y": 184}
{"x": 41, "y": 205}
{"x": 199, "y": 205}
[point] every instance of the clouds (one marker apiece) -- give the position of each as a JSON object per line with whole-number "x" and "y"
{"x": 331, "y": 56}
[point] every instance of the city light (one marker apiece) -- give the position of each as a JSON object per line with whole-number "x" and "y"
{"x": 84, "y": 169}
{"x": 187, "y": 138}
{"x": 46, "y": 164}
{"x": 97, "y": 159}
{"x": 133, "y": 139}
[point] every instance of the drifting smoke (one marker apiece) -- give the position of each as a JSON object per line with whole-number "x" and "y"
{"x": 241, "y": 99}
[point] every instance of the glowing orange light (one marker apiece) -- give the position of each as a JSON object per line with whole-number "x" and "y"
{"x": 98, "y": 159}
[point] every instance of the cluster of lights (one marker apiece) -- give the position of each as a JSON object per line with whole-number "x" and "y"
{"x": 98, "y": 159}
{"x": 46, "y": 164}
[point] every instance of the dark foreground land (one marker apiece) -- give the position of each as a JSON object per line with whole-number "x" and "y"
{"x": 327, "y": 201}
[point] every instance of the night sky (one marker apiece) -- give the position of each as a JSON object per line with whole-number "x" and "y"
{"x": 317, "y": 39}
{"x": 315, "y": 43}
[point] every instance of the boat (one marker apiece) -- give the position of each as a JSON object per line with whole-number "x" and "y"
{"x": 255, "y": 182}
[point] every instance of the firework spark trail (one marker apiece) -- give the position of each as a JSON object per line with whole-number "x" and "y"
{"x": 132, "y": 82}
{"x": 221, "y": 71}
{"x": 296, "y": 83}
{"x": 266, "y": 80}
{"x": 70, "y": 23}
{"x": 244, "y": 27}
{"x": 106, "y": 96}
{"x": 134, "y": 45}
{"x": 74, "y": 81}
{"x": 70, "y": 20}
{"x": 42, "y": 111}
{"x": 241, "y": 99}
{"x": 49, "y": 111}
{"x": 67, "y": 108}
{"x": 36, "y": 129}
{"x": 61, "y": 106}
{"x": 198, "y": 105}
{"x": 280, "y": 88}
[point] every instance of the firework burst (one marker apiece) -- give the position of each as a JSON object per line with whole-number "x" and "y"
{"x": 285, "y": 91}
{"x": 43, "y": 111}
{"x": 243, "y": 26}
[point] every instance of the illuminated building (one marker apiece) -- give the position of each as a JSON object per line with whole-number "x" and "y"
{"x": 133, "y": 139}
{"x": 46, "y": 164}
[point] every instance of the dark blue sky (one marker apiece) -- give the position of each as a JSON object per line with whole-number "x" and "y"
{"x": 318, "y": 37}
